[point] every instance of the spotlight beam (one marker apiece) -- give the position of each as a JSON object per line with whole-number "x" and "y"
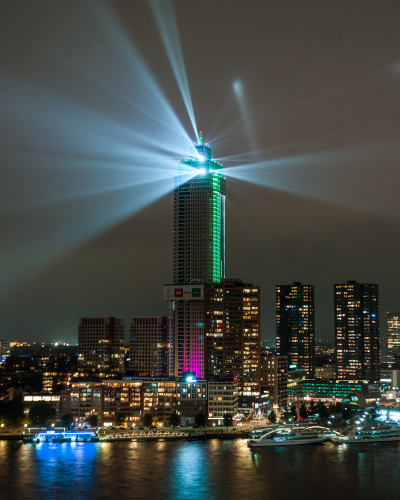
{"x": 165, "y": 18}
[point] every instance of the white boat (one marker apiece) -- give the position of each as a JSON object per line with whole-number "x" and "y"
{"x": 288, "y": 437}
{"x": 357, "y": 434}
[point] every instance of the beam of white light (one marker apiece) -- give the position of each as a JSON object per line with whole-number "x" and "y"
{"x": 325, "y": 176}
{"x": 165, "y": 18}
{"x": 70, "y": 226}
{"x": 244, "y": 110}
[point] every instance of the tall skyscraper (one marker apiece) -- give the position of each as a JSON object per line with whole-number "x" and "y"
{"x": 199, "y": 219}
{"x": 295, "y": 330}
{"x": 101, "y": 345}
{"x": 232, "y": 333}
{"x": 357, "y": 334}
{"x": 150, "y": 349}
{"x": 393, "y": 323}
{"x": 199, "y": 252}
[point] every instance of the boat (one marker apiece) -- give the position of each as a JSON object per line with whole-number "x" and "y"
{"x": 288, "y": 437}
{"x": 377, "y": 434}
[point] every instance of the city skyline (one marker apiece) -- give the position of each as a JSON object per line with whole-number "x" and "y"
{"x": 298, "y": 104}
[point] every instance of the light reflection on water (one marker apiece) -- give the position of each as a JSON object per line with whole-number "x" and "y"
{"x": 199, "y": 470}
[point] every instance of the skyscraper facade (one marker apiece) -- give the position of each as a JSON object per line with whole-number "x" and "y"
{"x": 199, "y": 219}
{"x": 393, "y": 323}
{"x": 232, "y": 334}
{"x": 199, "y": 252}
{"x": 295, "y": 330}
{"x": 101, "y": 345}
{"x": 150, "y": 349}
{"x": 357, "y": 335}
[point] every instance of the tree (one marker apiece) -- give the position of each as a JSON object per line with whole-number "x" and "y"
{"x": 200, "y": 419}
{"x": 311, "y": 408}
{"x": 67, "y": 419}
{"x": 13, "y": 412}
{"x": 272, "y": 416}
{"x": 338, "y": 407}
{"x": 119, "y": 418}
{"x": 346, "y": 413}
{"x": 228, "y": 421}
{"x": 42, "y": 413}
{"x": 293, "y": 411}
{"x": 147, "y": 419}
{"x": 303, "y": 413}
{"x": 174, "y": 419}
{"x": 94, "y": 420}
{"x": 322, "y": 410}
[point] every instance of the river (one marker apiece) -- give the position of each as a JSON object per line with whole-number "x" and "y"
{"x": 213, "y": 469}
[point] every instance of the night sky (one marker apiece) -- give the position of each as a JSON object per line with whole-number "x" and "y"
{"x": 298, "y": 99}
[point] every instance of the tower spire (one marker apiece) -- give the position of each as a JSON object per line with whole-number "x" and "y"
{"x": 200, "y": 136}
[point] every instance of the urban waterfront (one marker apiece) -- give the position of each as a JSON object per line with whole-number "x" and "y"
{"x": 212, "y": 469}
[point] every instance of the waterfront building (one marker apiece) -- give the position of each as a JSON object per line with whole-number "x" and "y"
{"x": 325, "y": 371}
{"x": 199, "y": 252}
{"x": 274, "y": 379}
{"x": 101, "y": 345}
{"x": 393, "y": 347}
{"x": 123, "y": 398}
{"x": 223, "y": 398}
{"x": 86, "y": 400}
{"x": 192, "y": 397}
{"x": 295, "y": 330}
{"x": 357, "y": 336}
{"x": 60, "y": 402}
{"x": 151, "y": 341}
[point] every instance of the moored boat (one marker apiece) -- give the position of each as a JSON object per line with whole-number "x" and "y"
{"x": 377, "y": 434}
{"x": 288, "y": 437}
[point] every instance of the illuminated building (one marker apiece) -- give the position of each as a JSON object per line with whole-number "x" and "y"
{"x": 232, "y": 333}
{"x": 101, "y": 345}
{"x": 86, "y": 400}
{"x": 223, "y": 399}
{"x": 191, "y": 394}
{"x": 325, "y": 390}
{"x": 121, "y": 397}
{"x": 393, "y": 322}
{"x": 5, "y": 349}
{"x": 60, "y": 402}
{"x": 151, "y": 340}
{"x": 199, "y": 219}
{"x": 357, "y": 337}
{"x": 274, "y": 378}
{"x": 295, "y": 335}
{"x": 199, "y": 252}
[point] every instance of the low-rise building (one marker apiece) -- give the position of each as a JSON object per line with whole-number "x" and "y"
{"x": 60, "y": 402}
{"x": 191, "y": 396}
{"x": 124, "y": 398}
{"x": 222, "y": 398}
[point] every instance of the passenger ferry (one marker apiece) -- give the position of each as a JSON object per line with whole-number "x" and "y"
{"x": 288, "y": 437}
{"x": 357, "y": 434}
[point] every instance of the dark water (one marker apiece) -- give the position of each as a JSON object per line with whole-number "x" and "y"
{"x": 199, "y": 470}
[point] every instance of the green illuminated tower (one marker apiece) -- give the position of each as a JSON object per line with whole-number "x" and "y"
{"x": 199, "y": 218}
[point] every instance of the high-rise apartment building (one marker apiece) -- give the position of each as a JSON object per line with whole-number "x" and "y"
{"x": 232, "y": 333}
{"x": 393, "y": 323}
{"x": 199, "y": 252}
{"x": 295, "y": 330}
{"x": 150, "y": 350}
{"x": 357, "y": 334}
{"x": 101, "y": 345}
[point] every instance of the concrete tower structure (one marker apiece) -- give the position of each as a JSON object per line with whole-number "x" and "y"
{"x": 199, "y": 252}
